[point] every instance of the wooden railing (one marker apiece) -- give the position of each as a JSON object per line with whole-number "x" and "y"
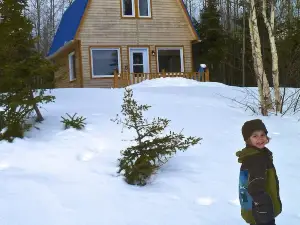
{"x": 125, "y": 79}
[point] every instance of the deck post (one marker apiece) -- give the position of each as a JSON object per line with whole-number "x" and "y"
{"x": 163, "y": 73}
{"x": 206, "y": 75}
{"x": 115, "y": 79}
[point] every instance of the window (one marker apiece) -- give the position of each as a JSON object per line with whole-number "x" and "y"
{"x": 128, "y": 8}
{"x": 143, "y": 7}
{"x": 105, "y": 61}
{"x": 72, "y": 66}
{"x": 170, "y": 59}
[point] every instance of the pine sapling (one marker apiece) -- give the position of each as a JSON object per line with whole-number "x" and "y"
{"x": 151, "y": 147}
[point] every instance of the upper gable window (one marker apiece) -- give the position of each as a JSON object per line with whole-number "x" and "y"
{"x": 128, "y": 8}
{"x": 144, "y": 8}
{"x": 136, "y": 8}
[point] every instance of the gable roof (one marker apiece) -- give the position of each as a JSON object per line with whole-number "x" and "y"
{"x": 189, "y": 19}
{"x": 68, "y": 25}
{"x": 71, "y": 20}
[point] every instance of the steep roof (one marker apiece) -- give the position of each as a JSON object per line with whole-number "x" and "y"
{"x": 70, "y": 23}
{"x": 190, "y": 19}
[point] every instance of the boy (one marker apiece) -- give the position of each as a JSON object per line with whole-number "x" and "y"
{"x": 258, "y": 183}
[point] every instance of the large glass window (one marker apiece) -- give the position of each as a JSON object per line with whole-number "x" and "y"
{"x": 170, "y": 59}
{"x": 105, "y": 61}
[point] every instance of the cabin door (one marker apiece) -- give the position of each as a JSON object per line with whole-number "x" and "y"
{"x": 139, "y": 62}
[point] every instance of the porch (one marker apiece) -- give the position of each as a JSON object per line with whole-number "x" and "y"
{"x": 125, "y": 79}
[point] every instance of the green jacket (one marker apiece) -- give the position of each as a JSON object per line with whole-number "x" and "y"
{"x": 258, "y": 186}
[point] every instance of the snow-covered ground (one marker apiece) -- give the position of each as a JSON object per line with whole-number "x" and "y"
{"x": 68, "y": 177}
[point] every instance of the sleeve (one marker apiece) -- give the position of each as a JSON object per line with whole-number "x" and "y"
{"x": 262, "y": 209}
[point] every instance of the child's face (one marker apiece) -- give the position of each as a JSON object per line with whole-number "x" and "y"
{"x": 258, "y": 139}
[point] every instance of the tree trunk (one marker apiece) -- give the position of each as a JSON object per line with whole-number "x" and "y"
{"x": 39, "y": 117}
{"x": 38, "y": 8}
{"x": 244, "y": 45}
{"x": 269, "y": 22}
{"x": 262, "y": 82}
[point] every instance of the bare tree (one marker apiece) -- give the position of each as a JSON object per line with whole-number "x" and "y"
{"x": 262, "y": 82}
{"x": 35, "y": 12}
{"x": 270, "y": 25}
{"x": 46, "y": 15}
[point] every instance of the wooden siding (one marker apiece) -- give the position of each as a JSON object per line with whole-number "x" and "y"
{"x": 62, "y": 77}
{"x": 102, "y": 25}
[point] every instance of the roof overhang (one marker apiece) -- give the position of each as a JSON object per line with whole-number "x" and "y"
{"x": 66, "y": 46}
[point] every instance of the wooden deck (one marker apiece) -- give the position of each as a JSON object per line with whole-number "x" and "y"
{"x": 125, "y": 79}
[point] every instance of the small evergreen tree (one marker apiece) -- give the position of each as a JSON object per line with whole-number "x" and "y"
{"x": 23, "y": 71}
{"x": 152, "y": 149}
{"x": 288, "y": 44}
{"x": 212, "y": 33}
{"x": 213, "y": 46}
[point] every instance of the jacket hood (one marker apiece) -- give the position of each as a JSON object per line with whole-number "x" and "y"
{"x": 249, "y": 151}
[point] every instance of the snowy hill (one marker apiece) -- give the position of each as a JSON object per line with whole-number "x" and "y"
{"x": 68, "y": 177}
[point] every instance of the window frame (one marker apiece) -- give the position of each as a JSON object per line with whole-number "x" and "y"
{"x": 133, "y": 9}
{"x": 103, "y": 49}
{"x": 149, "y": 9}
{"x": 171, "y": 48}
{"x": 136, "y": 10}
{"x": 72, "y": 67}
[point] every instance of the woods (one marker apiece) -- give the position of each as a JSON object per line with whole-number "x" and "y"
{"x": 277, "y": 23}
{"x": 45, "y": 16}
{"x": 250, "y": 43}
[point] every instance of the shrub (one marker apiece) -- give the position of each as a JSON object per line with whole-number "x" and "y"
{"x": 152, "y": 149}
{"x": 75, "y": 122}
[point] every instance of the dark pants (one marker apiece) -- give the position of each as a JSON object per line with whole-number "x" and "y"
{"x": 272, "y": 222}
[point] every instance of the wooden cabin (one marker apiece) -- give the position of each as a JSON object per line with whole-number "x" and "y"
{"x": 99, "y": 42}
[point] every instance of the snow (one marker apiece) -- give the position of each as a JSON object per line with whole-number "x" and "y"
{"x": 68, "y": 177}
{"x": 3, "y": 130}
{"x": 175, "y": 82}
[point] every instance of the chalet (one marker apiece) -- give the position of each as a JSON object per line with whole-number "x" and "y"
{"x": 99, "y": 42}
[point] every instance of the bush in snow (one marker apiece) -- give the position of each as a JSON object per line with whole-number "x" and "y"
{"x": 75, "y": 122}
{"x": 152, "y": 149}
{"x": 13, "y": 124}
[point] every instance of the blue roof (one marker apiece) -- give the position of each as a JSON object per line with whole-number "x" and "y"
{"x": 68, "y": 25}
{"x": 70, "y": 22}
